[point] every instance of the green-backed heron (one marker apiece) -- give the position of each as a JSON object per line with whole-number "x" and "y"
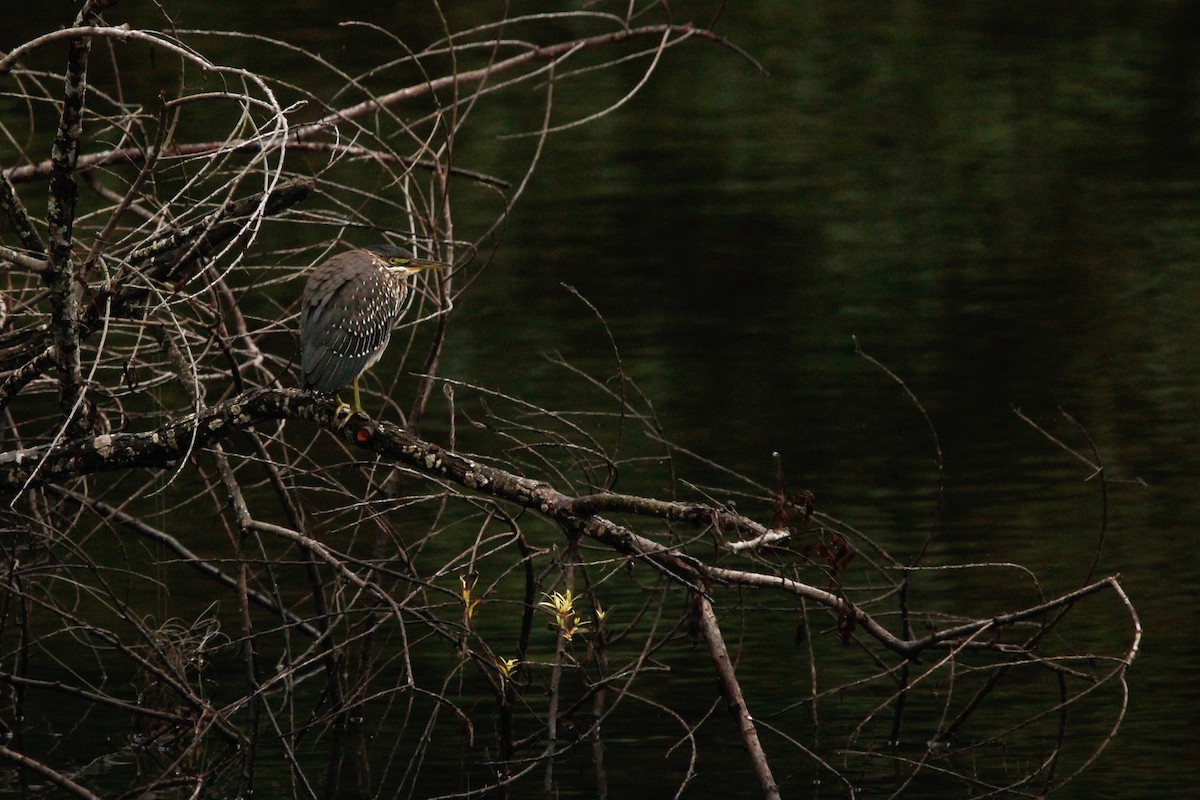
{"x": 351, "y": 304}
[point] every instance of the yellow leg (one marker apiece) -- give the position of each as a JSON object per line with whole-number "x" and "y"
{"x": 345, "y": 412}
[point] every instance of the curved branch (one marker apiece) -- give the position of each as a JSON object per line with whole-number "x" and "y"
{"x": 19, "y": 218}
{"x": 296, "y": 138}
{"x": 163, "y": 448}
{"x": 165, "y": 257}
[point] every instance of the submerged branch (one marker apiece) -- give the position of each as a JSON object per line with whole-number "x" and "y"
{"x": 731, "y": 689}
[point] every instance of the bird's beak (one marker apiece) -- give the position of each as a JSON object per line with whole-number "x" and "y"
{"x": 420, "y": 264}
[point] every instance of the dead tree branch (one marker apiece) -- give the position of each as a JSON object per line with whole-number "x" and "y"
{"x": 223, "y": 576}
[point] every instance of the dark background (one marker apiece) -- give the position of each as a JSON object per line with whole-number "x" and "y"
{"x": 999, "y": 201}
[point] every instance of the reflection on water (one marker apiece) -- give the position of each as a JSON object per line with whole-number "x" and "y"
{"x": 1000, "y": 204}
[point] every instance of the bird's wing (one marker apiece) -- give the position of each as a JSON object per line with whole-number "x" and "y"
{"x": 345, "y": 323}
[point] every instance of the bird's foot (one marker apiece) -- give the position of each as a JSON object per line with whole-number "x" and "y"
{"x": 343, "y": 414}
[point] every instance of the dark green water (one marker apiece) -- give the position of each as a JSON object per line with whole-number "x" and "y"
{"x": 998, "y": 200}
{"x": 1000, "y": 203}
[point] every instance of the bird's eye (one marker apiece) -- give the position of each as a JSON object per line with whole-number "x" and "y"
{"x": 398, "y": 261}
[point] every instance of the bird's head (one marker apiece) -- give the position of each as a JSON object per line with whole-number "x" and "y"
{"x": 399, "y": 261}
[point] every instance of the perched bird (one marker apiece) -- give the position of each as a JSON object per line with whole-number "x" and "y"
{"x": 350, "y": 305}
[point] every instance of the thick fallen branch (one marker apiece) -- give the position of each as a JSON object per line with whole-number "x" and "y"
{"x": 165, "y": 446}
{"x": 698, "y": 514}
